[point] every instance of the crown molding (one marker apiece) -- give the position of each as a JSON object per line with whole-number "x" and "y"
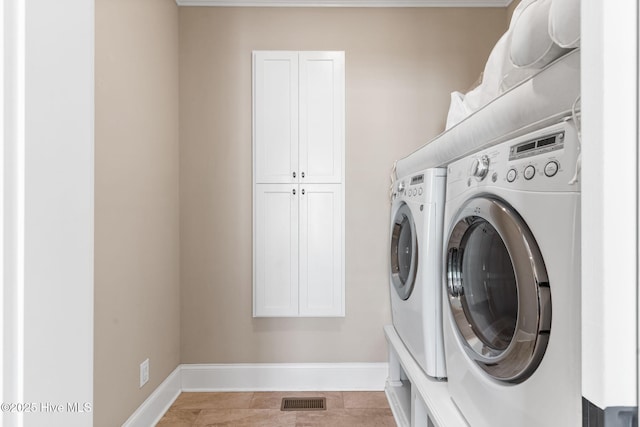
{"x": 346, "y": 3}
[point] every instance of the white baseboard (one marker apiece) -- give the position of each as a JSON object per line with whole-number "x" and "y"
{"x": 285, "y": 377}
{"x": 152, "y": 409}
{"x": 258, "y": 377}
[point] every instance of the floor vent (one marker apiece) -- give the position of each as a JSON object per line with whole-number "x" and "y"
{"x": 304, "y": 404}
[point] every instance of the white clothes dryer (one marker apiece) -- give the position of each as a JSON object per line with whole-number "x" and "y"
{"x": 417, "y": 211}
{"x": 512, "y": 277}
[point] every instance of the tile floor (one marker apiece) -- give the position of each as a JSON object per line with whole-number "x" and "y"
{"x": 344, "y": 409}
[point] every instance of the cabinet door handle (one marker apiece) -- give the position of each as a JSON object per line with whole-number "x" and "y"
{"x": 294, "y": 175}
{"x": 294, "y": 191}
{"x": 302, "y": 175}
{"x": 303, "y": 191}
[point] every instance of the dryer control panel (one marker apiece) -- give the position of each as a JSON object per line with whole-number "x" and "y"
{"x": 412, "y": 187}
{"x": 537, "y": 146}
{"x": 421, "y": 186}
{"x": 545, "y": 160}
{"x": 532, "y": 151}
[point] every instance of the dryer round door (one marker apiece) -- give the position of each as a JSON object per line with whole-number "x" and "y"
{"x": 404, "y": 251}
{"x": 498, "y": 289}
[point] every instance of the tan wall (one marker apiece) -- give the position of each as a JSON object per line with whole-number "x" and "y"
{"x": 401, "y": 65}
{"x": 137, "y": 309}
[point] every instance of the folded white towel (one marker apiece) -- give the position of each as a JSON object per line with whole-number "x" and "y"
{"x": 564, "y": 22}
{"x": 531, "y": 44}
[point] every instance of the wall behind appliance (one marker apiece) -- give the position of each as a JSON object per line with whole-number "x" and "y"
{"x": 401, "y": 65}
{"x": 137, "y": 308}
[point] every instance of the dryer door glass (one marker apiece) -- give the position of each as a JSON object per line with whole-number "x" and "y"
{"x": 404, "y": 252}
{"x": 498, "y": 289}
{"x": 490, "y": 300}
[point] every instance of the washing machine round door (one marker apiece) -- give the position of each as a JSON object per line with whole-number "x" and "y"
{"x": 498, "y": 289}
{"x": 404, "y": 251}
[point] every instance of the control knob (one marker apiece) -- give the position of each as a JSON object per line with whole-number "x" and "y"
{"x": 551, "y": 168}
{"x": 529, "y": 172}
{"x": 480, "y": 167}
{"x": 401, "y": 187}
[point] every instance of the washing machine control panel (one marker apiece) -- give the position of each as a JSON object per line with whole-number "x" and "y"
{"x": 415, "y": 186}
{"x": 537, "y": 146}
{"x": 545, "y": 160}
{"x": 411, "y": 187}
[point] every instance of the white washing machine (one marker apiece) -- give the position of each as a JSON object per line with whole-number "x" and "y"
{"x": 512, "y": 282}
{"x": 417, "y": 211}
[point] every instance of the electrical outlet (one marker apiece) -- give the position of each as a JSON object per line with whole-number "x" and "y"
{"x": 144, "y": 372}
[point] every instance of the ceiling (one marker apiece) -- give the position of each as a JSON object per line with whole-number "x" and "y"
{"x": 347, "y": 3}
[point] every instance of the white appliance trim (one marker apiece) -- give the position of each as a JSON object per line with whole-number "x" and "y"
{"x": 346, "y": 3}
{"x": 258, "y": 377}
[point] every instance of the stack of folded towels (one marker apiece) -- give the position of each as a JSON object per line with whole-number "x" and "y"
{"x": 540, "y": 31}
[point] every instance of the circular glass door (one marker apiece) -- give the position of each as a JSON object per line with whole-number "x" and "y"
{"x": 404, "y": 252}
{"x": 498, "y": 289}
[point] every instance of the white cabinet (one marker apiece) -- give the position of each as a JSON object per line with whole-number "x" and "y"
{"x": 275, "y": 116}
{"x": 321, "y": 250}
{"x": 298, "y": 250}
{"x": 298, "y": 146}
{"x": 275, "y": 250}
{"x": 321, "y": 113}
{"x": 298, "y": 117}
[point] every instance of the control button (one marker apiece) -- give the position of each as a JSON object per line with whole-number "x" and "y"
{"x": 415, "y": 192}
{"x": 480, "y": 167}
{"x": 551, "y": 168}
{"x": 420, "y": 191}
{"x": 494, "y": 177}
{"x": 529, "y": 172}
{"x": 511, "y": 175}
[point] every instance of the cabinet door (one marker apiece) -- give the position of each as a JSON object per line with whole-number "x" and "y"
{"x": 275, "y": 274}
{"x": 321, "y": 117}
{"x": 275, "y": 116}
{"x": 321, "y": 250}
